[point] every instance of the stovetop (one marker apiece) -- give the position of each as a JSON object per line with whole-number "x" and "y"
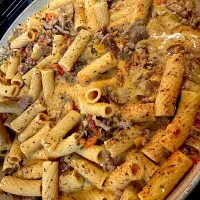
{"x": 9, "y": 10}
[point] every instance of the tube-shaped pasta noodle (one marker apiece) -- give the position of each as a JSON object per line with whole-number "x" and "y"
{"x": 4, "y": 67}
{"x": 33, "y": 143}
{"x": 121, "y": 141}
{"x": 23, "y": 40}
{"x": 9, "y": 90}
{"x": 23, "y": 92}
{"x": 120, "y": 13}
{"x": 75, "y": 50}
{"x": 35, "y": 85}
{"x": 58, "y": 41}
{"x": 8, "y": 168}
{"x": 37, "y": 52}
{"x": 95, "y": 68}
{"x": 41, "y": 65}
{"x": 7, "y": 106}
{"x": 27, "y": 116}
{"x": 15, "y": 154}
{"x": 177, "y": 132}
{"x": 149, "y": 167}
{"x": 93, "y": 94}
{"x": 123, "y": 175}
{"x": 21, "y": 187}
{"x": 93, "y": 153}
{"x": 88, "y": 170}
{"x": 50, "y": 180}
{"x": 35, "y": 125}
{"x": 79, "y": 17}
{"x": 130, "y": 192}
{"x": 34, "y": 24}
{"x": 41, "y": 154}
{"x": 48, "y": 84}
{"x": 10, "y": 118}
{"x": 12, "y": 66}
{"x": 102, "y": 14}
{"x": 138, "y": 112}
{"x": 67, "y": 146}
{"x": 71, "y": 181}
{"x": 105, "y": 110}
{"x": 154, "y": 150}
{"x": 90, "y": 14}
{"x": 30, "y": 170}
{"x": 170, "y": 86}
{"x": 60, "y": 130}
{"x": 17, "y": 80}
{"x": 92, "y": 194}
{"x": 166, "y": 177}
{"x": 54, "y": 4}
{"x": 141, "y": 10}
{"x": 5, "y": 142}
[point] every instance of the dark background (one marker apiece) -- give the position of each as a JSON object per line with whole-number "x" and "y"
{"x": 9, "y": 10}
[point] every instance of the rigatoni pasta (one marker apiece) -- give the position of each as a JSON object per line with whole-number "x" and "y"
{"x": 32, "y": 128}
{"x": 100, "y": 100}
{"x": 177, "y": 132}
{"x": 102, "y": 14}
{"x": 75, "y": 50}
{"x": 21, "y": 187}
{"x": 170, "y": 86}
{"x": 50, "y": 180}
{"x": 166, "y": 177}
{"x": 95, "y": 68}
{"x": 20, "y": 123}
{"x": 35, "y": 85}
{"x": 23, "y": 40}
{"x": 71, "y": 181}
{"x": 50, "y": 141}
{"x": 88, "y": 170}
{"x": 5, "y": 142}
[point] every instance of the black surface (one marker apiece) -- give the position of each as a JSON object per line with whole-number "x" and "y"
{"x": 9, "y": 10}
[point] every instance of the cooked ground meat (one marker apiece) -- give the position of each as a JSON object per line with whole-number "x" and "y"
{"x": 133, "y": 34}
{"x": 26, "y": 62}
{"x": 186, "y": 11}
{"x": 119, "y": 95}
{"x": 24, "y": 103}
{"x": 63, "y": 24}
{"x": 63, "y": 166}
{"x": 16, "y": 32}
{"x": 108, "y": 163}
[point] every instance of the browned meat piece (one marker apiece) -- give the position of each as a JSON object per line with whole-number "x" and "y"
{"x": 108, "y": 163}
{"x": 24, "y": 103}
{"x": 186, "y": 11}
{"x": 119, "y": 95}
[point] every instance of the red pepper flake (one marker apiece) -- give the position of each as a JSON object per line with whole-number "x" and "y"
{"x": 66, "y": 37}
{"x": 194, "y": 160}
{"x": 96, "y": 134}
{"x": 176, "y": 133}
{"x": 61, "y": 71}
{"x": 48, "y": 17}
{"x": 91, "y": 141}
{"x": 74, "y": 107}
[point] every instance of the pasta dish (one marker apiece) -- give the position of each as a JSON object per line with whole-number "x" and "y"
{"x": 99, "y": 100}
